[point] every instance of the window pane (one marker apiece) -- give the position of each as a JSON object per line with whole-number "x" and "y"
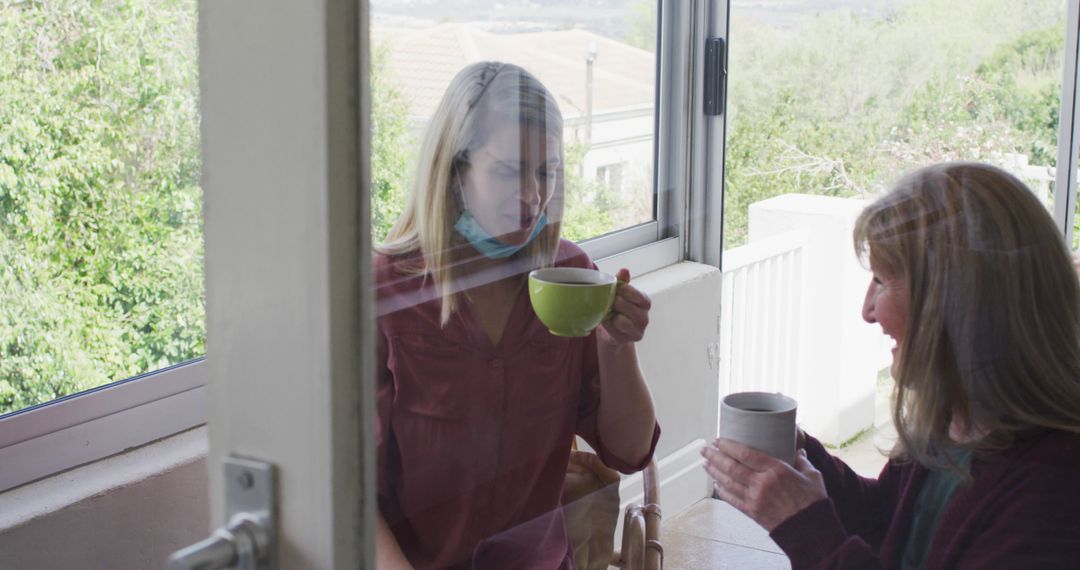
{"x": 599, "y": 62}
{"x": 831, "y": 101}
{"x": 502, "y": 117}
{"x": 839, "y": 102}
{"x": 100, "y": 209}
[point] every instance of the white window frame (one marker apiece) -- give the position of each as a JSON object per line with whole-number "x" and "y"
{"x": 43, "y": 440}
{"x": 662, "y": 242}
{"x": 1068, "y": 137}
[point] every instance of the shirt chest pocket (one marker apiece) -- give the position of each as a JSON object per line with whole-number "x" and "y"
{"x": 431, "y": 377}
{"x": 545, "y": 383}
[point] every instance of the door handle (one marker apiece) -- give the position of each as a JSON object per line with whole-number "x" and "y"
{"x": 247, "y": 541}
{"x": 243, "y": 544}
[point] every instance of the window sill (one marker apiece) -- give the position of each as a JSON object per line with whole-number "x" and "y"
{"x": 48, "y": 496}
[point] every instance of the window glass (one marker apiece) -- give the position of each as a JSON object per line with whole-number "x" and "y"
{"x": 517, "y": 129}
{"x": 829, "y": 103}
{"x": 839, "y": 98}
{"x": 599, "y": 61}
{"x": 100, "y": 208}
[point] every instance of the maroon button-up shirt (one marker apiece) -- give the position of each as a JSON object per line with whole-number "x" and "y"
{"x": 473, "y": 439}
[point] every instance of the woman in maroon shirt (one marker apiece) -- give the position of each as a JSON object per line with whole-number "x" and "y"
{"x": 975, "y": 284}
{"x": 477, "y": 402}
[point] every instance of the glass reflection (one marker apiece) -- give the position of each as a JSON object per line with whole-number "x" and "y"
{"x": 478, "y": 402}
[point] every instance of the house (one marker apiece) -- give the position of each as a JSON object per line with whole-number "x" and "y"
{"x": 612, "y": 115}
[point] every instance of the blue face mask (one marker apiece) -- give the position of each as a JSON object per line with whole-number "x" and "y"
{"x": 486, "y": 243}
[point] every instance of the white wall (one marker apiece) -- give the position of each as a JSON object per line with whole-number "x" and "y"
{"x": 129, "y": 511}
{"x": 841, "y": 353}
{"x": 132, "y": 510}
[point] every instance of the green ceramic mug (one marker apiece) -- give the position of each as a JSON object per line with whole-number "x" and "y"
{"x": 571, "y": 301}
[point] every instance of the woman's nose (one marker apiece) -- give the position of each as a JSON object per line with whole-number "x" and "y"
{"x": 868, "y": 305}
{"x": 531, "y": 189}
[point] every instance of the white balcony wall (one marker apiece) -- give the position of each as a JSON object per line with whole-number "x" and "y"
{"x": 839, "y": 355}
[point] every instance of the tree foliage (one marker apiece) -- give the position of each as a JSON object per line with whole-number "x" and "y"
{"x": 594, "y": 208}
{"x": 100, "y": 208}
{"x": 391, "y": 141}
{"x": 101, "y": 253}
{"x": 841, "y": 106}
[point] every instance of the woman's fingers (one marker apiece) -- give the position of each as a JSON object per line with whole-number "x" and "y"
{"x": 635, "y": 316}
{"x": 728, "y": 486}
{"x": 802, "y": 464}
{"x": 725, "y": 480}
{"x": 807, "y": 469}
{"x": 622, "y": 329}
{"x": 630, "y": 312}
{"x": 627, "y": 305}
{"x": 746, "y": 455}
{"x": 729, "y": 497}
{"x": 764, "y": 488}
{"x": 721, "y": 461}
{"x": 633, "y": 297}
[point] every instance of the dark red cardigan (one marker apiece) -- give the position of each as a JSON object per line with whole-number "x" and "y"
{"x": 1022, "y": 511}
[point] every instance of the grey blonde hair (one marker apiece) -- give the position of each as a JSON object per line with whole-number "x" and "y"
{"x": 479, "y": 94}
{"x": 993, "y": 329}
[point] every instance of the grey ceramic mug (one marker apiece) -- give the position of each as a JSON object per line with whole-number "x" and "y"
{"x": 762, "y": 420}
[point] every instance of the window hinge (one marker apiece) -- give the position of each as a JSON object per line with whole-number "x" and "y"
{"x": 715, "y": 76}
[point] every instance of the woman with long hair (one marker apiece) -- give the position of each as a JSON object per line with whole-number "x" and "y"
{"x": 477, "y": 402}
{"x": 974, "y": 283}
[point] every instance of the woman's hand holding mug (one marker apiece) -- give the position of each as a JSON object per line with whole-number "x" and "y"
{"x": 764, "y": 488}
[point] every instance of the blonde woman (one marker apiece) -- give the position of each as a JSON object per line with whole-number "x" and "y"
{"x": 477, "y": 402}
{"x": 975, "y": 284}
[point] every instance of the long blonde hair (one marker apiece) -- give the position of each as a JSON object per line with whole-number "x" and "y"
{"x": 993, "y": 329}
{"x": 481, "y": 92}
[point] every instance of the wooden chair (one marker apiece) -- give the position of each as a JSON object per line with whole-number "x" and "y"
{"x": 641, "y": 547}
{"x": 591, "y": 505}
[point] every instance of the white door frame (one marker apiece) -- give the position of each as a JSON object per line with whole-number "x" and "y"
{"x": 285, "y": 170}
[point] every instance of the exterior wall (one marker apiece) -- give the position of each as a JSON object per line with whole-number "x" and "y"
{"x": 129, "y": 511}
{"x": 678, "y": 358}
{"x": 841, "y": 353}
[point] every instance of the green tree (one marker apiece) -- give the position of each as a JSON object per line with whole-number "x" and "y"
{"x": 840, "y": 105}
{"x": 584, "y": 213}
{"x": 101, "y": 252}
{"x": 593, "y": 208}
{"x": 100, "y": 208}
{"x": 391, "y": 141}
{"x": 641, "y": 26}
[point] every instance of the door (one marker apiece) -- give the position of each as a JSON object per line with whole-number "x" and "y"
{"x": 286, "y": 229}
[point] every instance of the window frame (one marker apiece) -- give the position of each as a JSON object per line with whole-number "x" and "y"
{"x": 1068, "y": 138}
{"x": 689, "y": 147}
{"x": 52, "y": 437}
{"x": 43, "y": 440}
{"x": 662, "y": 242}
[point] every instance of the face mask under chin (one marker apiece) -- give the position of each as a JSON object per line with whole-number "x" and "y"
{"x": 488, "y": 245}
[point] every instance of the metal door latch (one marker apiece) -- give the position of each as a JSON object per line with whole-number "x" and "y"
{"x": 246, "y": 542}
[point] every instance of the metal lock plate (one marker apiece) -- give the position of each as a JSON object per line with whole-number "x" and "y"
{"x": 249, "y": 490}
{"x": 246, "y": 541}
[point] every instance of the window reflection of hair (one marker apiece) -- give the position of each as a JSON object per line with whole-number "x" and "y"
{"x": 477, "y": 92}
